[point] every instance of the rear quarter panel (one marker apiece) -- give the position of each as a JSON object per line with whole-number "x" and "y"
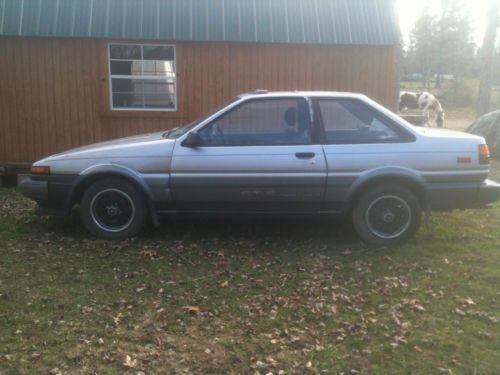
{"x": 428, "y": 159}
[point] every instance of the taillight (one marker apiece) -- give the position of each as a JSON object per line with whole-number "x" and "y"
{"x": 484, "y": 154}
{"x": 40, "y": 170}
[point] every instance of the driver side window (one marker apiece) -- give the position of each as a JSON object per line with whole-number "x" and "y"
{"x": 261, "y": 122}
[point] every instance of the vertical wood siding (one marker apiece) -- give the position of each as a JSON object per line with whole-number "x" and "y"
{"x": 54, "y": 93}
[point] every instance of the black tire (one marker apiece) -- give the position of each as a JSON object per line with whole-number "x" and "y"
{"x": 386, "y": 214}
{"x": 113, "y": 208}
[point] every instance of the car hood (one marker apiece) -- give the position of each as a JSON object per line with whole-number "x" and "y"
{"x": 145, "y": 145}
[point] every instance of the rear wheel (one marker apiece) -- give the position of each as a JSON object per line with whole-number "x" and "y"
{"x": 113, "y": 208}
{"x": 386, "y": 214}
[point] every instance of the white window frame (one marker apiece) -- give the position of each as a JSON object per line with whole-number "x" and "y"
{"x": 143, "y": 77}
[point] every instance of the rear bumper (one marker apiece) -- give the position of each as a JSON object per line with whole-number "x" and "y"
{"x": 51, "y": 193}
{"x": 448, "y": 196}
{"x": 489, "y": 192}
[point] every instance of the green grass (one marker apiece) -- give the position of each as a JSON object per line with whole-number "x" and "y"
{"x": 299, "y": 296}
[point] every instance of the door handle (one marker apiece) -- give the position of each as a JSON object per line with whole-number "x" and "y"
{"x": 305, "y": 155}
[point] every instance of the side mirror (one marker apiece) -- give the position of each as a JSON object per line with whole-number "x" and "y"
{"x": 192, "y": 140}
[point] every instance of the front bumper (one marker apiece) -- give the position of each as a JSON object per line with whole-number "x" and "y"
{"x": 36, "y": 190}
{"x": 448, "y": 196}
{"x": 51, "y": 193}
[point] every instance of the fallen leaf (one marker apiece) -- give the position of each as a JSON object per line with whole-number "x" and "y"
{"x": 271, "y": 361}
{"x": 129, "y": 362}
{"x": 486, "y": 335}
{"x": 160, "y": 311}
{"x": 467, "y": 301}
{"x": 149, "y": 254}
{"x": 418, "y": 308}
{"x": 191, "y": 309}
{"x": 460, "y": 312}
{"x": 117, "y": 318}
{"x": 445, "y": 370}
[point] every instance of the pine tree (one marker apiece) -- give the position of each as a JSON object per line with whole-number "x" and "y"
{"x": 455, "y": 50}
{"x": 422, "y": 44}
{"x": 442, "y": 44}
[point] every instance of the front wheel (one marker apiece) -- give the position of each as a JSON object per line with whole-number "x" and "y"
{"x": 113, "y": 208}
{"x": 386, "y": 215}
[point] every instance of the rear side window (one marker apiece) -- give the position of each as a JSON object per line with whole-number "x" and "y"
{"x": 351, "y": 121}
{"x": 261, "y": 122}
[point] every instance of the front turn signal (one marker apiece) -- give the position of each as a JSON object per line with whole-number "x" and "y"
{"x": 40, "y": 170}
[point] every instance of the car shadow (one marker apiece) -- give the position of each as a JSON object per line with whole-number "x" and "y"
{"x": 264, "y": 229}
{"x": 259, "y": 230}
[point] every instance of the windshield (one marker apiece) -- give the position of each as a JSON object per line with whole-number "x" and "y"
{"x": 177, "y": 132}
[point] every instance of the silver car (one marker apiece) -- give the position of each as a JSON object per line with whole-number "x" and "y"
{"x": 322, "y": 153}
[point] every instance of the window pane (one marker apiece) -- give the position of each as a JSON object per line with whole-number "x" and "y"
{"x": 158, "y": 52}
{"x": 125, "y": 52}
{"x": 349, "y": 121}
{"x": 151, "y": 86}
{"x": 261, "y": 122}
{"x": 158, "y": 68}
{"x": 126, "y": 67}
{"x": 122, "y": 100}
{"x": 159, "y": 101}
{"x": 122, "y": 85}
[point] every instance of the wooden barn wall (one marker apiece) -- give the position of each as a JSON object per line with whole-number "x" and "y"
{"x": 54, "y": 93}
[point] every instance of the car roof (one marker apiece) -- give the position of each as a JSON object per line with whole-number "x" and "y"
{"x": 281, "y": 94}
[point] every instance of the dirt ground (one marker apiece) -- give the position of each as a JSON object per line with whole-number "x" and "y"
{"x": 458, "y": 124}
{"x": 459, "y": 118}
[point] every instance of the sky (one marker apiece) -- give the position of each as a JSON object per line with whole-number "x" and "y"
{"x": 409, "y": 10}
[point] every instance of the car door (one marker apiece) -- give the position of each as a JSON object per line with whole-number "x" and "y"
{"x": 257, "y": 156}
{"x": 358, "y": 138}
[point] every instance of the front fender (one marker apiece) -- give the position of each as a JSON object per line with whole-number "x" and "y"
{"x": 122, "y": 171}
